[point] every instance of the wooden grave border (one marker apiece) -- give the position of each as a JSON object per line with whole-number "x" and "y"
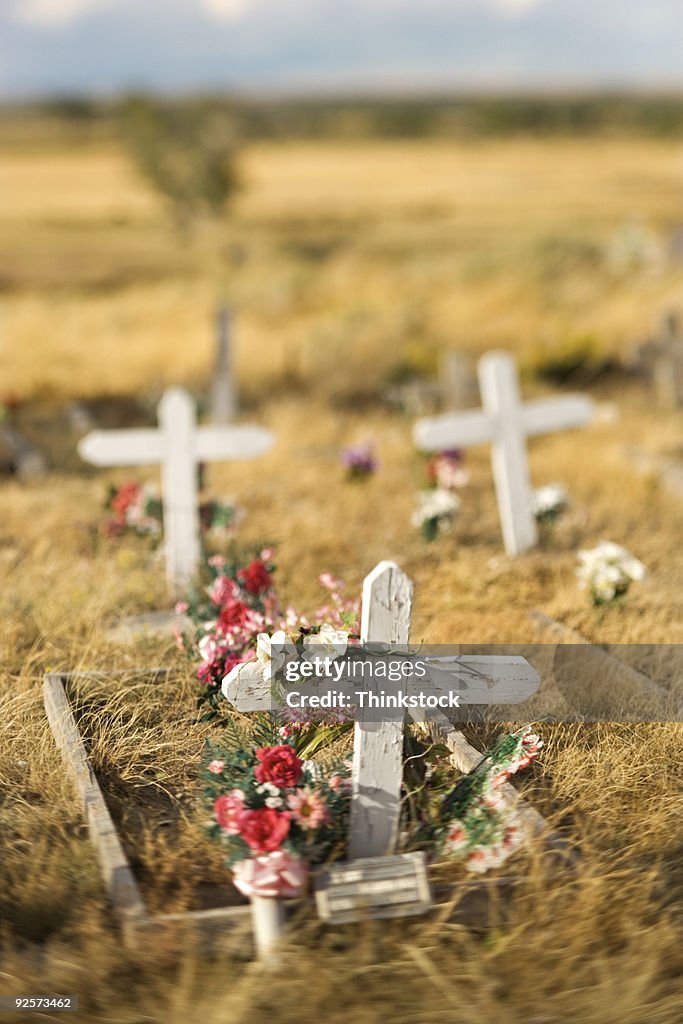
{"x": 123, "y": 890}
{"x": 122, "y": 887}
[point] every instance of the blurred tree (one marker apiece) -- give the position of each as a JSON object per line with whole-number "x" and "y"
{"x": 187, "y": 151}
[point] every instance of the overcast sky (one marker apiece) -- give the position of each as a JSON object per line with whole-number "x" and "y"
{"x": 105, "y": 45}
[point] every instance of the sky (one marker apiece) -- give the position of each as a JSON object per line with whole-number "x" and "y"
{"x": 104, "y": 46}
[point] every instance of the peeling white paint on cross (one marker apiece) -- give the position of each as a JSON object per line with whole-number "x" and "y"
{"x": 505, "y": 423}
{"x": 378, "y": 746}
{"x": 178, "y": 446}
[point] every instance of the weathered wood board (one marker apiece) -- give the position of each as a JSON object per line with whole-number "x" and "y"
{"x": 120, "y": 883}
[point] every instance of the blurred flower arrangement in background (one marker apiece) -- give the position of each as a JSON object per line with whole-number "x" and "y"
{"x": 360, "y": 460}
{"x": 437, "y": 507}
{"x": 135, "y": 508}
{"x": 608, "y": 571}
{"x": 549, "y": 503}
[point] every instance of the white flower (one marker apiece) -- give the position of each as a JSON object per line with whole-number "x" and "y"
{"x": 273, "y": 798}
{"x": 608, "y": 569}
{"x": 269, "y": 660}
{"x": 328, "y": 644}
{"x": 549, "y": 500}
{"x": 434, "y": 504}
{"x": 314, "y": 770}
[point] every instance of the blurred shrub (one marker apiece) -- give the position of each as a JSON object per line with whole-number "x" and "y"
{"x": 557, "y": 255}
{"x": 576, "y": 356}
{"x": 186, "y": 150}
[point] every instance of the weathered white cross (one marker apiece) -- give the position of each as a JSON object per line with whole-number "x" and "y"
{"x": 178, "y": 446}
{"x": 505, "y": 422}
{"x": 378, "y": 745}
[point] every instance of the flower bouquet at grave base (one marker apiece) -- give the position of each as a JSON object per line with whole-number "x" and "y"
{"x": 445, "y": 470}
{"x": 133, "y": 508}
{"x": 435, "y": 512}
{"x": 549, "y": 503}
{"x": 279, "y": 817}
{"x": 219, "y": 518}
{"x": 438, "y": 506}
{"x": 608, "y": 570}
{"x": 471, "y": 821}
{"x": 276, "y": 815}
{"x": 137, "y": 509}
{"x": 237, "y": 603}
{"x": 237, "y": 611}
{"x": 360, "y": 460}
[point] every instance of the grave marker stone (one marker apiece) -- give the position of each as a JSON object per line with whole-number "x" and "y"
{"x": 505, "y": 423}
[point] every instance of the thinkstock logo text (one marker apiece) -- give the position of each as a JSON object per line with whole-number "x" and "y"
{"x": 371, "y": 699}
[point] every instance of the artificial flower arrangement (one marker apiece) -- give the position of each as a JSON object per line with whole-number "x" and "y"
{"x": 234, "y": 613}
{"x": 549, "y": 503}
{"x": 472, "y": 821}
{"x": 360, "y": 460}
{"x": 133, "y": 508}
{"x": 279, "y": 817}
{"x": 438, "y": 506}
{"x": 136, "y": 508}
{"x": 276, "y": 815}
{"x": 436, "y": 509}
{"x": 446, "y": 470}
{"x": 608, "y": 571}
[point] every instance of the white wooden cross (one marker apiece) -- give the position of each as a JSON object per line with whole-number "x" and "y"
{"x": 378, "y": 746}
{"x": 505, "y": 422}
{"x": 178, "y": 446}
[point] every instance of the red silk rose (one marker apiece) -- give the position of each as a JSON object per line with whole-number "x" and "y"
{"x": 255, "y": 578}
{"x": 278, "y": 765}
{"x": 264, "y": 829}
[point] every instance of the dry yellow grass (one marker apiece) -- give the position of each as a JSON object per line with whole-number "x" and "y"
{"x": 353, "y": 260}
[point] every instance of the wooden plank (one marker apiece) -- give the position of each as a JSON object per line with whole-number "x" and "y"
{"x": 375, "y": 887}
{"x": 120, "y": 882}
{"x": 177, "y": 421}
{"x": 474, "y": 676}
{"x": 378, "y": 746}
{"x": 545, "y": 415}
{"x": 130, "y": 447}
{"x": 247, "y": 442}
{"x": 223, "y": 402}
{"x": 599, "y": 678}
{"x": 500, "y": 394}
{"x": 453, "y": 430}
{"x": 118, "y": 877}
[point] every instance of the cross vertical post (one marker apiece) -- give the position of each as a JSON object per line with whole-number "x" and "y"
{"x": 223, "y": 400}
{"x": 378, "y": 746}
{"x": 501, "y": 399}
{"x": 177, "y": 421}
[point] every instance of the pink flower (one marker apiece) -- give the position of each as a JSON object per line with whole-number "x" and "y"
{"x": 229, "y": 810}
{"x": 330, "y": 582}
{"x": 216, "y": 767}
{"x": 222, "y": 590}
{"x": 308, "y": 808}
{"x": 216, "y": 561}
{"x": 181, "y": 607}
{"x": 267, "y": 554}
{"x": 278, "y": 874}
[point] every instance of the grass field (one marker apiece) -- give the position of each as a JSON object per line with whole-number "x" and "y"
{"x": 350, "y": 267}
